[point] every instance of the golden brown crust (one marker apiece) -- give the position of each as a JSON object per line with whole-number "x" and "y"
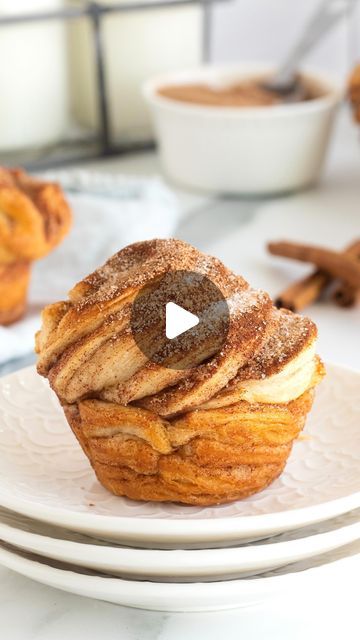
{"x": 204, "y": 457}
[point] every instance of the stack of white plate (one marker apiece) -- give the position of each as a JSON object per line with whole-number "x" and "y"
{"x": 60, "y": 527}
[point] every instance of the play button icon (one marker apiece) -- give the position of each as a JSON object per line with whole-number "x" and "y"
{"x": 178, "y": 320}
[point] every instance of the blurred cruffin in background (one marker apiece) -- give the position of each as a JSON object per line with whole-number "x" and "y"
{"x": 34, "y": 218}
{"x": 354, "y": 92}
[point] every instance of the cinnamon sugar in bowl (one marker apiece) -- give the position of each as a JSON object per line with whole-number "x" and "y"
{"x": 219, "y": 132}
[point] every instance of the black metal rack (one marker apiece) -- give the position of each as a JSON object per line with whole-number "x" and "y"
{"x": 101, "y": 145}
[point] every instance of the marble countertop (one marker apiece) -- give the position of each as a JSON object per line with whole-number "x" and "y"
{"x": 236, "y": 230}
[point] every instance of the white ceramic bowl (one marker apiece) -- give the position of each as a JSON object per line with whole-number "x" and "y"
{"x": 253, "y": 150}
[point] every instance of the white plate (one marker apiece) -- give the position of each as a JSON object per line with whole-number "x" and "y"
{"x": 178, "y": 565}
{"x": 45, "y": 475}
{"x": 314, "y": 575}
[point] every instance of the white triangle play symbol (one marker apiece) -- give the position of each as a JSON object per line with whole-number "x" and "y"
{"x": 178, "y": 320}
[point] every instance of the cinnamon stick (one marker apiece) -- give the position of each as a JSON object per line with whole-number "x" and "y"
{"x": 338, "y": 265}
{"x": 345, "y": 295}
{"x": 303, "y": 292}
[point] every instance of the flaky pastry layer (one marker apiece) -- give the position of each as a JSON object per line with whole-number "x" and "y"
{"x": 203, "y": 457}
{"x": 34, "y": 216}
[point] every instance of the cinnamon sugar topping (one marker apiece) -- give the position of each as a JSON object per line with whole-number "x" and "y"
{"x": 91, "y": 349}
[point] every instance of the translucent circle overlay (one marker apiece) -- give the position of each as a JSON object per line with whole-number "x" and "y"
{"x": 193, "y": 292}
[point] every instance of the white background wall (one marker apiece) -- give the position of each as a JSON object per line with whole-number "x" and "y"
{"x": 265, "y": 29}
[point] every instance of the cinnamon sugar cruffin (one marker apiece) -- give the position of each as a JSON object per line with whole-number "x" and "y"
{"x": 34, "y": 218}
{"x": 141, "y": 425}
